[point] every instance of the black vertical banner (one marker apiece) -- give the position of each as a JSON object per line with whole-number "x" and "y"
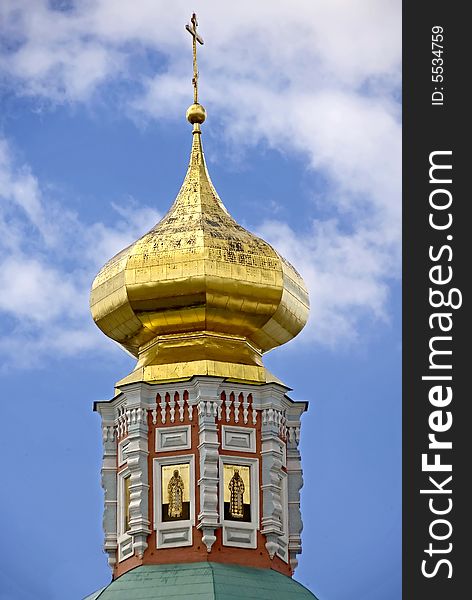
{"x": 437, "y": 246}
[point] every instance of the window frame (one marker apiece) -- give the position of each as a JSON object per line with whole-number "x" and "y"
{"x": 176, "y": 528}
{"x": 240, "y": 529}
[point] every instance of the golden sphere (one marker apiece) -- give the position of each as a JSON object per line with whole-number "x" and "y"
{"x": 196, "y": 114}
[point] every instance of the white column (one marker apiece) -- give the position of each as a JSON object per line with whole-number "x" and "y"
{"x": 295, "y": 484}
{"x": 137, "y": 453}
{"x": 109, "y": 483}
{"x": 272, "y": 515}
{"x": 209, "y": 405}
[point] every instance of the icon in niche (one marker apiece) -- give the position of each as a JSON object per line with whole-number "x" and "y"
{"x": 176, "y": 492}
{"x": 237, "y": 493}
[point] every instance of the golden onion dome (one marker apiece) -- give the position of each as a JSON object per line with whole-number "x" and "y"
{"x": 199, "y": 294}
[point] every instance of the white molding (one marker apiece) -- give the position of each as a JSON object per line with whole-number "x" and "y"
{"x": 137, "y": 452}
{"x": 125, "y": 540}
{"x": 174, "y": 537}
{"x": 272, "y": 502}
{"x": 125, "y": 548}
{"x": 239, "y": 536}
{"x": 209, "y": 410}
{"x": 294, "y": 485}
{"x": 173, "y": 534}
{"x": 269, "y": 395}
{"x": 109, "y": 483}
{"x": 282, "y": 550}
{"x": 122, "y": 446}
{"x": 284, "y": 454}
{"x": 173, "y": 438}
{"x": 244, "y": 534}
{"x": 241, "y": 439}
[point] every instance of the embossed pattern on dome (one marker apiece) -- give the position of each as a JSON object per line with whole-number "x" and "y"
{"x": 198, "y": 291}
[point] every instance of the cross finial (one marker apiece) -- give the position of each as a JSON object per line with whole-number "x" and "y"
{"x": 192, "y": 29}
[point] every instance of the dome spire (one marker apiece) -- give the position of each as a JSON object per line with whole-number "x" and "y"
{"x": 196, "y": 113}
{"x": 198, "y": 293}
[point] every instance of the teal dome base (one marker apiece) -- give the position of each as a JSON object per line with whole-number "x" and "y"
{"x": 202, "y": 581}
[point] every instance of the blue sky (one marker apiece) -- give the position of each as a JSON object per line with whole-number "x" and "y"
{"x": 303, "y": 145}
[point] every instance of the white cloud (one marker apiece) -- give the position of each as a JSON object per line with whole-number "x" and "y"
{"x": 35, "y": 291}
{"x": 21, "y": 188}
{"x": 305, "y": 46}
{"x": 319, "y": 78}
{"x": 47, "y": 265}
{"x": 345, "y": 275}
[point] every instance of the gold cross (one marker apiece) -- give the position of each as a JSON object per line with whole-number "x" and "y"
{"x": 192, "y": 29}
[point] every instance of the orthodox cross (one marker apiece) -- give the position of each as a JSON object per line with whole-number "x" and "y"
{"x": 192, "y": 29}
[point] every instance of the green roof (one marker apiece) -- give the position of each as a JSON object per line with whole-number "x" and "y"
{"x": 202, "y": 581}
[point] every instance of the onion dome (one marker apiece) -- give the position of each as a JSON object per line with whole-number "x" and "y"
{"x": 199, "y": 294}
{"x": 215, "y": 581}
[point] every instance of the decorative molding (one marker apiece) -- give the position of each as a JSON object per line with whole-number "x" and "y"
{"x": 242, "y": 439}
{"x": 293, "y": 434}
{"x": 272, "y": 511}
{"x": 294, "y": 485}
{"x": 238, "y": 403}
{"x": 125, "y": 548}
{"x": 174, "y": 537}
{"x": 137, "y": 400}
{"x": 122, "y": 446}
{"x": 276, "y": 418}
{"x": 173, "y": 438}
{"x": 282, "y": 540}
{"x": 170, "y": 405}
{"x": 109, "y": 483}
{"x": 209, "y": 409}
{"x": 125, "y": 540}
{"x": 122, "y": 421}
{"x": 239, "y": 537}
{"x": 173, "y": 534}
{"x": 284, "y": 455}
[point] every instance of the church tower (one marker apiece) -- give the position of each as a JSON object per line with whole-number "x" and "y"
{"x": 201, "y": 466}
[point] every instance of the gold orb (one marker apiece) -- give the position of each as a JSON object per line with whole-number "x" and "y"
{"x": 196, "y": 114}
